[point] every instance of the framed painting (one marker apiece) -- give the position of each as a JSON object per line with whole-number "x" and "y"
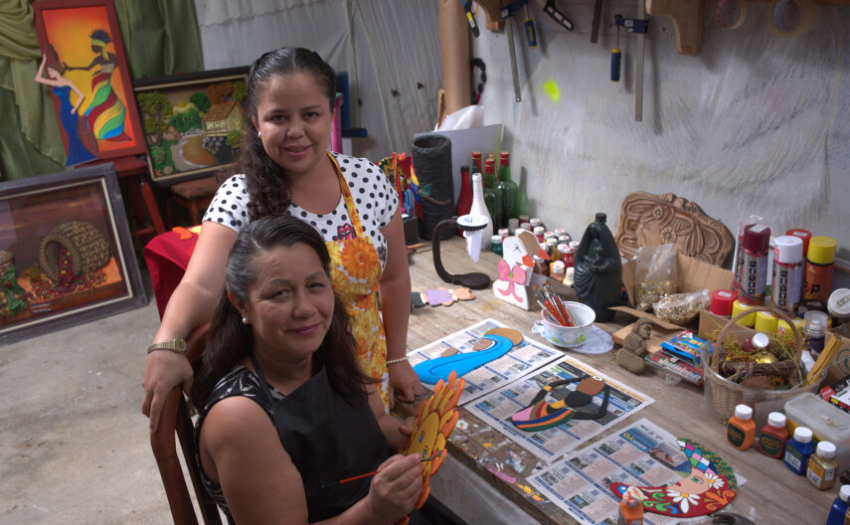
{"x": 83, "y": 63}
{"x": 193, "y": 123}
{"x": 66, "y": 253}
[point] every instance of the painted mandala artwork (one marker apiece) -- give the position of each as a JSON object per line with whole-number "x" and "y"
{"x": 435, "y": 421}
{"x": 709, "y": 487}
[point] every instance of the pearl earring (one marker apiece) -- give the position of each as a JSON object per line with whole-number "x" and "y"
{"x": 259, "y": 134}
{"x": 244, "y": 320}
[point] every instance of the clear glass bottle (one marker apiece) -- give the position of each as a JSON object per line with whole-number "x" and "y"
{"x": 508, "y": 187}
{"x": 492, "y": 194}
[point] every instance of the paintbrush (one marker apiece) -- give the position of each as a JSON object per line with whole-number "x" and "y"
{"x": 565, "y": 312}
{"x": 367, "y": 475}
{"x": 546, "y": 303}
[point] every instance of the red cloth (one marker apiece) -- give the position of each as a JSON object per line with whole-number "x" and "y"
{"x": 167, "y": 257}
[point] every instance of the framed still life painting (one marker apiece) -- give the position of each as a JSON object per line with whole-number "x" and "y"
{"x": 66, "y": 253}
{"x": 193, "y": 123}
{"x": 83, "y": 63}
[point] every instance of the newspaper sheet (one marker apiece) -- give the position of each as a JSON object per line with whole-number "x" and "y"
{"x": 642, "y": 454}
{"x": 497, "y": 408}
{"x": 520, "y": 360}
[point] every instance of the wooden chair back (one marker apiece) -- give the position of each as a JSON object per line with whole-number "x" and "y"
{"x": 175, "y": 421}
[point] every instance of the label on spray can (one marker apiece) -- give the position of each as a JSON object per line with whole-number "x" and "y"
{"x": 754, "y": 261}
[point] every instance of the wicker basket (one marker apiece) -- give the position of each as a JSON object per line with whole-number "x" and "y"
{"x": 725, "y": 395}
{"x": 88, "y": 247}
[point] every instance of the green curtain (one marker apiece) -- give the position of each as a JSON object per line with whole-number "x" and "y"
{"x": 160, "y": 37}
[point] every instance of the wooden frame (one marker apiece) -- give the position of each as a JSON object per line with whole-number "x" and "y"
{"x": 193, "y": 123}
{"x": 66, "y": 253}
{"x": 81, "y": 40}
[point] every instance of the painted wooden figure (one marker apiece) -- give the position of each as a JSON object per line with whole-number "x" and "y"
{"x": 516, "y": 269}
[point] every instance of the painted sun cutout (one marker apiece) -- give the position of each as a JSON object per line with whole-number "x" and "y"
{"x": 435, "y": 421}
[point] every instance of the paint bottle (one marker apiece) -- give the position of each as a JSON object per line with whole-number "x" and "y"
{"x": 838, "y": 511}
{"x": 803, "y": 235}
{"x": 823, "y": 466}
{"x": 766, "y": 322}
{"x": 557, "y": 270}
{"x": 819, "y": 268}
{"x": 570, "y": 279}
{"x": 752, "y": 278}
{"x": 523, "y": 219}
{"x": 513, "y": 225}
{"x": 774, "y": 436}
{"x": 540, "y": 266}
{"x": 741, "y": 430}
{"x": 631, "y": 508}
{"x": 788, "y": 270}
{"x": 798, "y": 450}
{"x": 564, "y": 238}
{"x": 535, "y": 222}
{"x": 568, "y": 254}
{"x": 815, "y": 323}
{"x": 504, "y": 232}
{"x": 538, "y": 232}
{"x": 721, "y": 302}
{"x": 496, "y": 245}
{"x": 552, "y": 249}
{"x": 747, "y": 320}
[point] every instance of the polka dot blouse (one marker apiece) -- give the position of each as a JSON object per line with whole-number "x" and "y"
{"x": 374, "y": 197}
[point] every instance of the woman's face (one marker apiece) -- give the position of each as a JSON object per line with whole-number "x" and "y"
{"x": 294, "y": 120}
{"x": 290, "y": 304}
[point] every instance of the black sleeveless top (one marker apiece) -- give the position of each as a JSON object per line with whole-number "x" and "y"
{"x": 327, "y": 437}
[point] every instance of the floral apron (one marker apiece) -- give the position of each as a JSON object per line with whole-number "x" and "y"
{"x": 355, "y": 272}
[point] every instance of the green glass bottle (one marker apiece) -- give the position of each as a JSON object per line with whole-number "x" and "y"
{"x": 510, "y": 209}
{"x": 493, "y": 195}
{"x": 477, "y": 166}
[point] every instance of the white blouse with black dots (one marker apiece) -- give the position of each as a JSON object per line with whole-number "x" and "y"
{"x": 374, "y": 197}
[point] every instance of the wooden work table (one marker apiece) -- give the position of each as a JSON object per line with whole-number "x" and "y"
{"x": 772, "y": 494}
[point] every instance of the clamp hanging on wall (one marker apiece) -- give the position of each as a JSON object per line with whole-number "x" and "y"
{"x": 638, "y": 26}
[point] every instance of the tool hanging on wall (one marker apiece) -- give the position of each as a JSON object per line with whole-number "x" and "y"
{"x": 508, "y": 15}
{"x": 530, "y": 33}
{"x": 597, "y": 16}
{"x": 638, "y": 26}
{"x": 467, "y": 10}
{"x": 616, "y": 54}
{"x": 556, "y": 15}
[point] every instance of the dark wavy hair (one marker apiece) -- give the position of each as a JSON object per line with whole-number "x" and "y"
{"x": 102, "y": 35}
{"x": 229, "y": 341}
{"x": 268, "y": 186}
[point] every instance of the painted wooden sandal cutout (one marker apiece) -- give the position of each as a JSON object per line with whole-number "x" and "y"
{"x": 438, "y": 369}
{"x": 540, "y": 415}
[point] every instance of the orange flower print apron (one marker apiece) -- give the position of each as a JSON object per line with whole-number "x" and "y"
{"x": 355, "y": 272}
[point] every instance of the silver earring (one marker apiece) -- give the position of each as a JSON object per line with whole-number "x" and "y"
{"x": 244, "y": 320}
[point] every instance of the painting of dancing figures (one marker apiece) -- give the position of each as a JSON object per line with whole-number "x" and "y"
{"x": 83, "y": 64}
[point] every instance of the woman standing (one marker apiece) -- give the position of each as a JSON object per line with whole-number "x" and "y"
{"x": 286, "y": 169}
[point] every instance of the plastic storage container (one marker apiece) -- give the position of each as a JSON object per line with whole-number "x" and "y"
{"x": 828, "y": 423}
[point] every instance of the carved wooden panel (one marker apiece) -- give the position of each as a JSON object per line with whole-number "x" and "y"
{"x": 652, "y": 220}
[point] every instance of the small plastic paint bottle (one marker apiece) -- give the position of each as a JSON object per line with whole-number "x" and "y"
{"x": 557, "y": 270}
{"x": 774, "y": 435}
{"x": 823, "y": 466}
{"x": 747, "y": 320}
{"x": 631, "y": 510}
{"x": 741, "y": 430}
{"x": 568, "y": 255}
{"x": 523, "y": 219}
{"x": 552, "y": 249}
{"x": 504, "y": 232}
{"x": 839, "y": 509}
{"x": 798, "y": 450}
{"x": 766, "y": 322}
{"x": 496, "y": 244}
{"x": 721, "y": 302}
{"x": 570, "y": 279}
{"x": 538, "y": 232}
{"x": 513, "y": 225}
{"x": 820, "y": 260}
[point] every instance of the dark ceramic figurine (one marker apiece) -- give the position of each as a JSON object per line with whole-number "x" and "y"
{"x": 598, "y": 271}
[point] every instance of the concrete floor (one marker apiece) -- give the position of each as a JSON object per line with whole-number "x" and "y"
{"x": 74, "y": 447}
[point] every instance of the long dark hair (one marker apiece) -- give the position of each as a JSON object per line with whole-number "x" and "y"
{"x": 229, "y": 341}
{"x": 268, "y": 187}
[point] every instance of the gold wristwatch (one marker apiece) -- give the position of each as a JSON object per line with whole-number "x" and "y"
{"x": 178, "y": 346}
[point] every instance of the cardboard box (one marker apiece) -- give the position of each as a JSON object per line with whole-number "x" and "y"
{"x": 692, "y": 275}
{"x": 710, "y": 325}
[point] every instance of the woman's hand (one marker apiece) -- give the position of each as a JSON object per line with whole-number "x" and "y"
{"x": 164, "y": 370}
{"x": 395, "y": 488}
{"x": 406, "y": 428}
{"x": 403, "y": 382}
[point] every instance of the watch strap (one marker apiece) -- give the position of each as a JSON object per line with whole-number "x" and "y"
{"x": 178, "y": 346}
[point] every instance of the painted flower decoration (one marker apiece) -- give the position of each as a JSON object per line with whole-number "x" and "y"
{"x": 684, "y": 499}
{"x": 714, "y": 481}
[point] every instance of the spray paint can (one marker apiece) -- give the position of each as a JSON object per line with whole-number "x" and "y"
{"x": 787, "y": 273}
{"x": 819, "y": 268}
{"x": 752, "y": 277}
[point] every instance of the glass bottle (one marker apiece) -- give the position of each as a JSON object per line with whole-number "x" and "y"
{"x": 464, "y": 201}
{"x": 508, "y": 187}
{"x": 492, "y": 194}
{"x": 477, "y": 165}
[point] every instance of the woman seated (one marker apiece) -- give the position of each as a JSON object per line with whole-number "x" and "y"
{"x": 280, "y": 369}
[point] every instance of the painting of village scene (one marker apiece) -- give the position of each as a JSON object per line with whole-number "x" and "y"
{"x": 192, "y": 123}
{"x": 62, "y": 253}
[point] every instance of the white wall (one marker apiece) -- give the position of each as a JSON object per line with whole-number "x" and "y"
{"x": 753, "y": 124}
